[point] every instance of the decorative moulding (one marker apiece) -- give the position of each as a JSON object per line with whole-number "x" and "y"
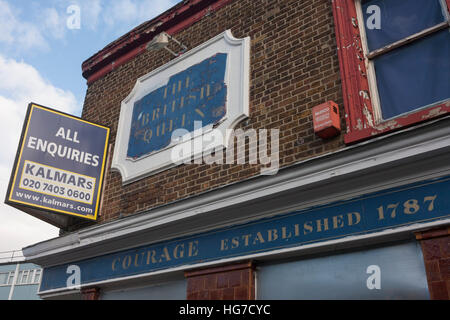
{"x": 237, "y": 81}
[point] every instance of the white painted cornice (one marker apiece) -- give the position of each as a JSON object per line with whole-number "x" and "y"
{"x": 397, "y": 159}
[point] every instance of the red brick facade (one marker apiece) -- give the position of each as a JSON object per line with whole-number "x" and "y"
{"x": 294, "y": 67}
{"x": 436, "y": 252}
{"x": 234, "y": 282}
{"x": 90, "y": 294}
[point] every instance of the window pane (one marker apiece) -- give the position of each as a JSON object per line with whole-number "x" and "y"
{"x": 11, "y": 277}
{"x": 399, "y": 19}
{"x": 37, "y": 277}
{"x": 415, "y": 75}
{"x": 19, "y": 277}
{"x": 343, "y": 276}
{"x": 24, "y": 278}
{"x": 3, "y": 278}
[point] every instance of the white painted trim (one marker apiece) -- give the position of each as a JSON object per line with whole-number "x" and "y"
{"x": 13, "y": 285}
{"x": 370, "y": 67}
{"x": 237, "y": 79}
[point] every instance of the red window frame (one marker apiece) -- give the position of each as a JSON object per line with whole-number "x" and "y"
{"x": 355, "y": 84}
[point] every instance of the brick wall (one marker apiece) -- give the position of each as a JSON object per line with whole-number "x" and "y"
{"x": 294, "y": 67}
{"x": 436, "y": 253}
{"x": 234, "y": 282}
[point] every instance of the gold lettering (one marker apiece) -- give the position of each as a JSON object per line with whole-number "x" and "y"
{"x": 208, "y": 90}
{"x": 200, "y": 113}
{"x": 155, "y": 114}
{"x": 350, "y": 218}
{"x": 193, "y": 248}
{"x": 187, "y": 82}
{"x": 145, "y": 119}
{"x": 307, "y": 227}
{"x": 224, "y": 245}
{"x": 179, "y": 86}
{"x": 284, "y": 235}
{"x": 148, "y": 135}
{"x": 174, "y": 88}
{"x": 183, "y": 120}
{"x": 258, "y": 238}
{"x": 114, "y": 263}
{"x": 126, "y": 262}
{"x": 182, "y": 102}
{"x": 297, "y": 230}
{"x": 320, "y": 224}
{"x": 151, "y": 255}
{"x": 246, "y": 238}
{"x": 177, "y": 253}
{"x": 136, "y": 258}
{"x": 165, "y": 92}
{"x": 165, "y": 255}
{"x": 338, "y": 221}
{"x": 272, "y": 235}
{"x": 234, "y": 242}
{"x": 165, "y": 110}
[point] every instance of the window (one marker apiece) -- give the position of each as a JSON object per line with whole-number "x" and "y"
{"x": 394, "y": 59}
{"x": 23, "y": 277}
{"x": 3, "y": 278}
{"x": 37, "y": 276}
{"x": 29, "y": 277}
{"x": 11, "y": 278}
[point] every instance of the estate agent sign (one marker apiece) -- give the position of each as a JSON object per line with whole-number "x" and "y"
{"x": 59, "y": 165}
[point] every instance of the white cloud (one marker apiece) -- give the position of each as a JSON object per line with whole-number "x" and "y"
{"x": 54, "y": 23}
{"x": 90, "y": 13}
{"x": 120, "y": 11}
{"x": 35, "y": 26}
{"x": 135, "y": 11}
{"x": 21, "y": 84}
{"x": 15, "y": 32}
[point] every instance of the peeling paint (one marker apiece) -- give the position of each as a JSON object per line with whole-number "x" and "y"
{"x": 359, "y": 126}
{"x": 364, "y": 94}
{"x": 434, "y": 112}
{"x": 391, "y": 125}
{"x": 368, "y": 115}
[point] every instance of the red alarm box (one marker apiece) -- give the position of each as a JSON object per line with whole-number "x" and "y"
{"x": 326, "y": 120}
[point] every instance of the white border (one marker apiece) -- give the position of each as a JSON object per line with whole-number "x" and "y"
{"x": 237, "y": 79}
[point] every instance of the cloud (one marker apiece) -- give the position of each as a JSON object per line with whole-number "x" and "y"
{"x": 15, "y": 32}
{"x": 34, "y": 26}
{"x": 134, "y": 11}
{"x": 20, "y": 84}
{"x": 54, "y": 23}
{"x": 90, "y": 13}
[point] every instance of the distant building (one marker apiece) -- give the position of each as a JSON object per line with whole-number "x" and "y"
{"x": 19, "y": 280}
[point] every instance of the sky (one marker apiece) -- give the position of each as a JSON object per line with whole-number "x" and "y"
{"x": 42, "y": 46}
